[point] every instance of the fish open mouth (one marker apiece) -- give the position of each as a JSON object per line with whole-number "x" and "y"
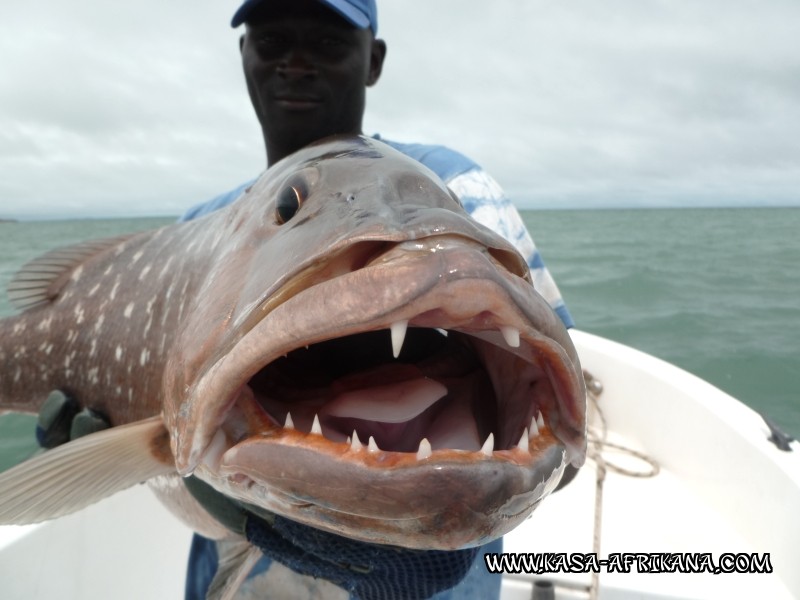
{"x": 443, "y": 390}
{"x": 374, "y": 415}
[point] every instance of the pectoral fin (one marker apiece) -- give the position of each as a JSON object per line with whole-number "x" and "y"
{"x": 79, "y": 473}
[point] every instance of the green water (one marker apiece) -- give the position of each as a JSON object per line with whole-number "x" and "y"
{"x": 714, "y": 291}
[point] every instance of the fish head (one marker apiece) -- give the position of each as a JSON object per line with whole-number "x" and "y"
{"x": 367, "y": 359}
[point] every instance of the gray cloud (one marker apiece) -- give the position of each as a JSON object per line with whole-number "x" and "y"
{"x": 140, "y": 108}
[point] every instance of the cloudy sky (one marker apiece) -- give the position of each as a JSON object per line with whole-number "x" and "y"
{"x": 134, "y": 108}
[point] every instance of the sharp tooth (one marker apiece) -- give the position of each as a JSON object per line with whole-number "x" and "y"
{"x": 398, "y": 336}
{"x": 424, "y": 449}
{"x": 289, "y": 423}
{"x": 523, "y": 441}
{"x": 348, "y": 440}
{"x": 510, "y": 335}
{"x": 315, "y": 427}
{"x": 356, "y": 444}
{"x": 372, "y": 446}
{"x": 488, "y": 446}
{"x": 534, "y": 429}
{"x": 540, "y": 420}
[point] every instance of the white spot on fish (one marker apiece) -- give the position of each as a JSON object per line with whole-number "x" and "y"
{"x": 145, "y": 271}
{"x": 44, "y": 325}
{"x": 98, "y": 325}
{"x": 118, "y": 353}
{"x": 93, "y": 347}
{"x": 114, "y": 289}
{"x": 76, "y": 274}
{"x": 128, "y": 310}
{"x": 79, "y": 314}
{"x": 92, "y": 375}
{"x": 136, "y": 257}
{"x": 144, "y": 357}
{"x": 19, "y": 328}
{"x": 118, "y": 391}
{"x": 17, "y": 374}
{"x": 109, "y": 270}
{"x": 165, "y": 267}
{"x": 94, "y": 289}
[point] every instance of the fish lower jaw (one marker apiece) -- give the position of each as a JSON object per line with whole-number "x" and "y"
{"x": 450, "y": 499}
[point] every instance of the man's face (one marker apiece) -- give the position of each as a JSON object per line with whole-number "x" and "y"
{"x": 307, "y": 70}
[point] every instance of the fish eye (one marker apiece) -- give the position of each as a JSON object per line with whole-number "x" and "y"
{"x": 288, "y": 203}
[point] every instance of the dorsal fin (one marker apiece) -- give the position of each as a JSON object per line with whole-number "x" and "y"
{"x": 41, "y": 280}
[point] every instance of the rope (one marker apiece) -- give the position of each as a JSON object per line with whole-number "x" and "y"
{"x": 597, "y": 444}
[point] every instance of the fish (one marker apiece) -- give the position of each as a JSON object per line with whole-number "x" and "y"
{"x": 343, "y": 346}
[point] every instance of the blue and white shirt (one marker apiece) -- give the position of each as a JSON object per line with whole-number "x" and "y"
{"x": 482, "y": 197}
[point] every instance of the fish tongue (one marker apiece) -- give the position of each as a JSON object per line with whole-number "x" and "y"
{"x": 387, "y": 403}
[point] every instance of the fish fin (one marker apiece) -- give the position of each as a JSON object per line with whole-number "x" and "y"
{"x": 41, "y": 280}
{"x": 237, "y": 558}
{"x": 81, "y": 472}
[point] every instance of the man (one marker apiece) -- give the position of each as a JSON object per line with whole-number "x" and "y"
{"x": 307, "y": 64}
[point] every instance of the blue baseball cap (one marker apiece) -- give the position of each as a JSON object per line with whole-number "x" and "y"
{"x": 361, "y": 13}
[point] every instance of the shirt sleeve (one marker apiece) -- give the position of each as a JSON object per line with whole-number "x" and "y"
{"x": 485, "y": 201}
{"x": 221, "y": 201}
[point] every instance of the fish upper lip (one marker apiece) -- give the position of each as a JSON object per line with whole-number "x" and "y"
{"x": 188, "y": 458}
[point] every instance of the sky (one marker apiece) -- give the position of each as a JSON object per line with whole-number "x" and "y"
{"x": 140, "y": 108}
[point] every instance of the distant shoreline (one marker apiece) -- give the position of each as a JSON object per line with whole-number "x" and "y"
{"x": 9, "y": 221}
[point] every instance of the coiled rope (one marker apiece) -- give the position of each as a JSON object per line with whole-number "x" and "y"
{"x": 596, "y": 451}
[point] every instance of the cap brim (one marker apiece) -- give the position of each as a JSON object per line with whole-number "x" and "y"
{"x": 350, "y": 14}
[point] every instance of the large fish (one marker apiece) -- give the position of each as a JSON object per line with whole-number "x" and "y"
{"x": 343, "y": 346}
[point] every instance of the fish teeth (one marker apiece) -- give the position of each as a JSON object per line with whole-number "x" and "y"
{"x": 523, "y": 441}
{"x": 355, "y": 444}
{"x": 398, "y": 336}
{"x": 316, "y": 427}
{"x": 289, "y": 424}
{"x": 540, "y": 420}
{"x": 424, "y": 449}
{"x": 534, "y": 429}
{"x": 372, "y": 446}
{"x": 510, "y": 335}
{"x": 488, "y": 445}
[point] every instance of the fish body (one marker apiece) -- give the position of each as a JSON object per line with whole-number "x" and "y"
{"x": 343, "y": 346}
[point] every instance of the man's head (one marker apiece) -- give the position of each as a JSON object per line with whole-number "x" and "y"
{"x": 307, "y": 64}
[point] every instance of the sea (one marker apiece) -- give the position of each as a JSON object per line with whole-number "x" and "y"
{"x": 715, "y": 291}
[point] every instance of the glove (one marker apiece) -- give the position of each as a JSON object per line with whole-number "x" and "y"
{"x": 61, "y": 419}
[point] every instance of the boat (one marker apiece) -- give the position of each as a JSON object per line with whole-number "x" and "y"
{"x": 682, "y": 480}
